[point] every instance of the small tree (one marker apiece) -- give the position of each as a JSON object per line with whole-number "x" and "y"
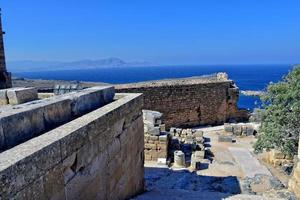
{"x": 281, "y": 121}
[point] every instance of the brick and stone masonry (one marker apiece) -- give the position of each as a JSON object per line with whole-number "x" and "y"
{"x": 5, "y": 77}
{"x": 191, "y": 102}
{"x": 98, "y": 155}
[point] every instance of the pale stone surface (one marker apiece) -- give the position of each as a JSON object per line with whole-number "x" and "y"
{"x": 82, "y": 159}
{"x": 21, "y": 95}
{"x": 25, "y": 121}
{"x": 249, "y": 164}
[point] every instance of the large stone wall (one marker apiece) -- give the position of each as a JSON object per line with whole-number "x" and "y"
{"x": 25, "y": 121}
{"x": 96, "y": 156}
{"x": 190, "y": 102}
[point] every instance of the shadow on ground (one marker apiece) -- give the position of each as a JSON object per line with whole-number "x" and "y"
{"x": 163, "y": 183}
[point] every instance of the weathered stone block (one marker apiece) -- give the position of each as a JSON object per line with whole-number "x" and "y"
{"x": 3, "y": 97}
{"x": 225, "y": 138}
{"x": 228, "y": 128}
{"x": 21, "y": 95}
{"x": 90, "y": 99}
{"x": 154, "y": 131}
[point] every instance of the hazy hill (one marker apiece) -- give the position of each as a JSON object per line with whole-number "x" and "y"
{"x": 28, "y": 65}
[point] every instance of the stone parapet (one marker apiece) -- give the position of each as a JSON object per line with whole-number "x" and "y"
{"x": 96, "y": 156}
{"x": 25, "y": 121}
{"x": 192, "y": 101}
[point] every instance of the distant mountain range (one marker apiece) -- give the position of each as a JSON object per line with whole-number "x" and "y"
{"x": 30, "y": 66}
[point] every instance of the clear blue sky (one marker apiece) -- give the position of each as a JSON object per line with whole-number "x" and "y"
{"x": 159, "y": 31}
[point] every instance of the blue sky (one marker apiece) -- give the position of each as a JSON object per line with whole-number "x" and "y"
{"x": 158, "y": 31}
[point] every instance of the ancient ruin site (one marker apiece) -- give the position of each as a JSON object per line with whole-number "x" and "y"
{"x": 167, "y": 139}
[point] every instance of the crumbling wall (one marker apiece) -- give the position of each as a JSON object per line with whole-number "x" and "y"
{"x": 294, "y": 183}
{"x": 96, "y": 156}
{"x": 190, "y": 102}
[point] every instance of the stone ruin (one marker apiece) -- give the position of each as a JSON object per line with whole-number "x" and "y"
{"x": 178, "y": 145}
{"x": 189, "y": 143}
{"x": 156, "y": 137}
{"x": 81, "y": 145}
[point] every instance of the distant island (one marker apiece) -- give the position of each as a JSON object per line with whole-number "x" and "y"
{"x": 30, "y": 66}
{"x": 252, "y": 93}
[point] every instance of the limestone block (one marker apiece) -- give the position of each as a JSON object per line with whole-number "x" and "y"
{"x": 199, "y": 154}
{"x": 250, "y": 130}
{"x": 162, "y": 127}
{"x": 198, "y": 133}
{"x": 21, "y": 95}
{"x": 163, "y": 138}
{"x": 90, "y": 99}
{"x": 155, "y": 131}
{"x": 150, "y": 146}
{"x": 3, "y": 97}
{"x": 21, "y": 126}
{"x": 195, "y": 162}
{"x": 225, "y": 138}
{"x": 154, "y": 138}
{"x": 228, "y": 128}
{"x": 151, "y": 116}
{"x": 237, "y": 130}
{"x": 92, "y": 176}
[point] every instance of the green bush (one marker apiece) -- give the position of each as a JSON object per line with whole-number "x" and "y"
{"x": 281, "y": 121}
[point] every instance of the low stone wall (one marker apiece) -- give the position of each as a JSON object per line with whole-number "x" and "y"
{"x": 190, "y": 102}
{"x": 96, "y": 156}
{"x": 294, "y": 183}
{"x": 22, "y": 122}
{"x": 14, "y": 96}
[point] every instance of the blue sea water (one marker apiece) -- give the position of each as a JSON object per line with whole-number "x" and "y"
{"x": 247, "y": 77}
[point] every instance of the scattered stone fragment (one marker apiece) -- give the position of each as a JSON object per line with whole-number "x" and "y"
{"x": 225, "y": 138}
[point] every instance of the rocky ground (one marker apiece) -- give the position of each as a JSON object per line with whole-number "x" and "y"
{"x": 230, "y": 171}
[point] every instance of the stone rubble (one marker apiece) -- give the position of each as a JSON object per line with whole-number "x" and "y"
{"x": 190, "y": 142}
{"x": 156, "y": 139}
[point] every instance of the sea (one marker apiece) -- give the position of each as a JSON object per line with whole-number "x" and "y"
{"x": 247, "y": 77}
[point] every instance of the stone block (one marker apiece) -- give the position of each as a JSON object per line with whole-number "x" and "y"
{"x": 198, "y": 134}
{"x": 162, "y": 127}
{"x": 199, "y": 154}
{"x": 250, "y": 130}
{"x": 154, "y": 138}
{"x": 21, "y": 95}
{"x": 237, "y": 130}
{"x": 228, "y": 128}
{"x": 163, "y": 138}
{"x": 155, "y": 131}
{"x": 3, "y": 97}
{"x": 90, "y": 99}
{"x": 225, "y": 138}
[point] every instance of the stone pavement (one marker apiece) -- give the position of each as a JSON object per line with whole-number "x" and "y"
{"x": 249, "y": 164}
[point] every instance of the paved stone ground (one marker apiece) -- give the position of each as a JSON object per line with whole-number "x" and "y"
{"x": 249, "y": 164}
{"x": 226, "y": 166}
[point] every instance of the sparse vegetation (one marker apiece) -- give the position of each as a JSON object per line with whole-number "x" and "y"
{"x": 280, "y": 123}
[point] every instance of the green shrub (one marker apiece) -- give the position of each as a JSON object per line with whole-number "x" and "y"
{"x": 281, "y": 121}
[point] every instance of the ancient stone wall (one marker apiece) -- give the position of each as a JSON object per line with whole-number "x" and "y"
{"x": 190, "y": 102}
{"x": 294, "y": 183}
{"x": 96, "y": 156}
{"x": 25, "y": 121}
